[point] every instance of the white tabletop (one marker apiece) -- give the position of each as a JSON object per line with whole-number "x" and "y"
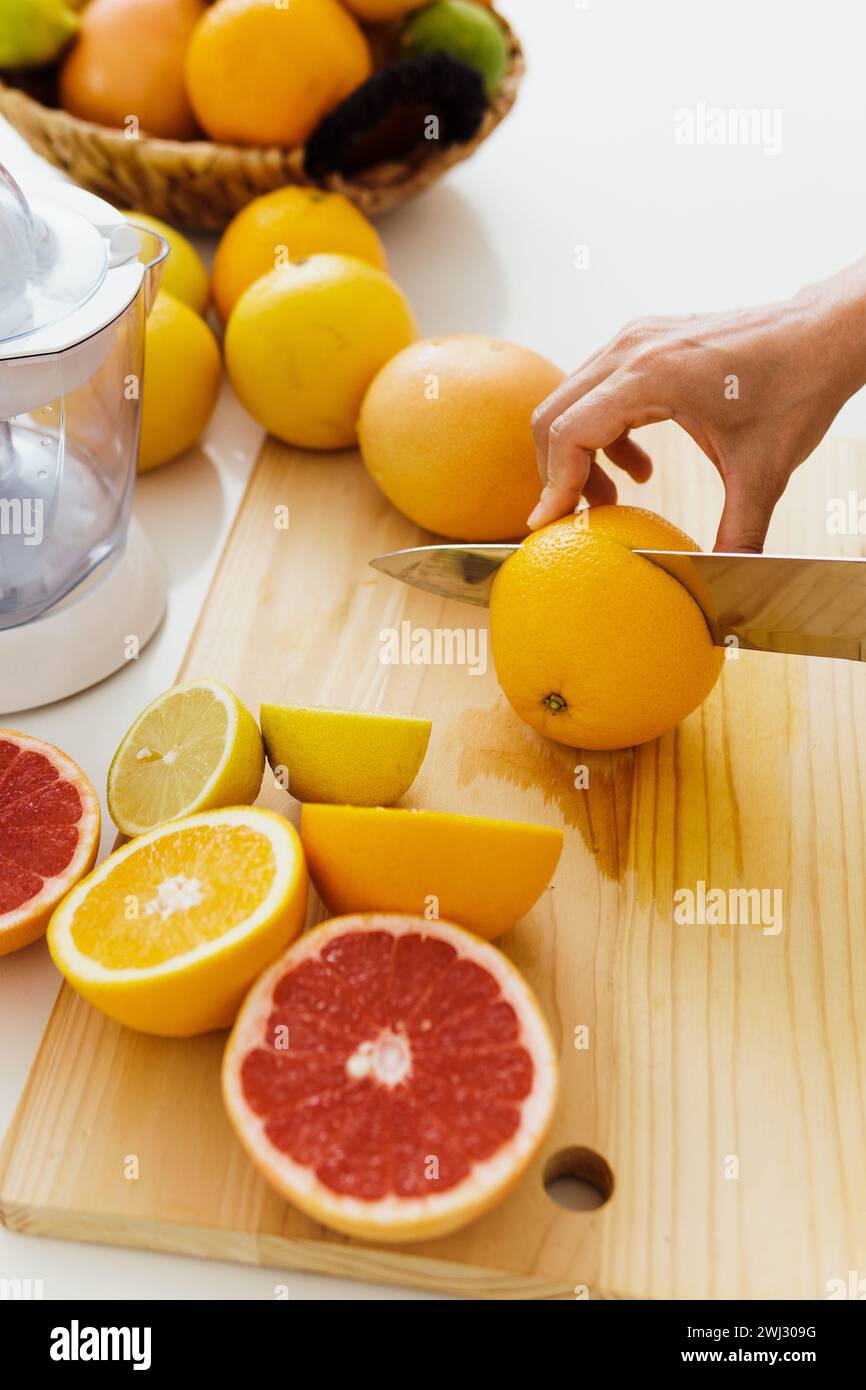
{"x": 582, "y": 211}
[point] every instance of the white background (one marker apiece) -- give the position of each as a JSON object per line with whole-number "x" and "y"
{"x": 587, "y": 158}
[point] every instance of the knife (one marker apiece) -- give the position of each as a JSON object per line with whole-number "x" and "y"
{"x": 805, "y": 605}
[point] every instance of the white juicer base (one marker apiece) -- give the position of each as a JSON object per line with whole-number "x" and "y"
{"x": 86, "y": 637}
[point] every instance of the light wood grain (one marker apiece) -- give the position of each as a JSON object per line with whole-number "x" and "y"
{"x": 706, "y": 1043}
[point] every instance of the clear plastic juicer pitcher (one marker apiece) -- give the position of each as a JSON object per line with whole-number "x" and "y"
{"x": 76, "y": 283}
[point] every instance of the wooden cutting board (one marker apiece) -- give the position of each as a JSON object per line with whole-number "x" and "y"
{"x": 722, "y": 1084}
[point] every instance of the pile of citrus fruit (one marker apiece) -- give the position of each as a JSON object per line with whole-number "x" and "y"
{"x": 241, "y": 72}
{"x": 300, "y": 282}
{"x": 409, "y": 1037}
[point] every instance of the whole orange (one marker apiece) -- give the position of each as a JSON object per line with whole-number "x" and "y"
{"x": 128, "y": 61}
{"x": 289, "y": 224}
{"x": 259, "y": 73}
{"x": 445, "y": 430}
{"x": 594, "y": 646}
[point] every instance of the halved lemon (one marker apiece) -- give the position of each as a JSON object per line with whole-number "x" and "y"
{"x": 481, "y": 873}
{"x": 348, "y": 756}
{"x": 167, "y": 934}
{"x": 193, "y": 748}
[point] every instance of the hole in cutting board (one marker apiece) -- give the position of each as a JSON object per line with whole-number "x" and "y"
{"x": 578, "y": 1179}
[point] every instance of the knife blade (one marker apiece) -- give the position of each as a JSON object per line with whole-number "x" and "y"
{"x": 803, "y": 605}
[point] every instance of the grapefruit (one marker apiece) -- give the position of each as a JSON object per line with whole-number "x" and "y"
{"x": 49, "y": 834}
{"x": 128, "y": 62}
{"x": 445, "y": 431}
{"x": 594, "y": 646}
{"x": 485, "y": 874}
{"x": 169, "y": 932}
{"x": 390, "y": 1076}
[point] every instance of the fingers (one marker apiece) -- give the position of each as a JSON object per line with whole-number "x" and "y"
{"x": 559, "y": 499}
{"x": 599, "y": 490}
{"x": 631, "y": 458}
{"x": 599, "y": 420}
{"x": 564, "y": 487}
{"x": 592, "y": 373}
{"x": 749, "y": 504}
{"x": 622, "y": 349}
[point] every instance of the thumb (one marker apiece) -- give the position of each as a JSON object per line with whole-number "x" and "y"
{"x": 746, "y": 515}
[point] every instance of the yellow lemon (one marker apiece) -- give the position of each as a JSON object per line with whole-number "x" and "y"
{"x": 304, "y": 342}
{"x": 194, "y": 747}
{"x": 184, "y": 274}
{"x": 169, "y": 932}
{"x": 288, "y": 225}
{"x": 182, "y": 371}
{"x": 344, "y": 756}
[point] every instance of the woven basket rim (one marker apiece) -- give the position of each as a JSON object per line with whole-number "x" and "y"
{"x": 165, "y": 150}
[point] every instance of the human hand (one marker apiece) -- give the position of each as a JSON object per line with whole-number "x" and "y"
{"x": 756, "y": 389}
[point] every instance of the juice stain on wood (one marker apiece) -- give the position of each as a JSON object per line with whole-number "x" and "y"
{"x": 591, "y": 790}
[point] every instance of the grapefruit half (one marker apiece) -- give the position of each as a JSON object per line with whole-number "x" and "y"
{"x": 49, "y": 834}
{"x": 390, "y": 1076}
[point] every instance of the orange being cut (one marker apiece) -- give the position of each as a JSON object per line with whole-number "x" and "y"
{"x": 49, "y": 834}
{"x": 390, "y": 1076}
{"x": 168, "y": 933}
{"x": 594, "y": 646}
{"x": 485, "y": 874}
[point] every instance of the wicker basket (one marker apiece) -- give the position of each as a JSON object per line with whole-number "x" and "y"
{"x": 202, "y": 185}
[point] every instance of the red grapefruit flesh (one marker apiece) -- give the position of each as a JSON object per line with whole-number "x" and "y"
{"x": 392, "y": 1077}
{"x": 49, "y": 834}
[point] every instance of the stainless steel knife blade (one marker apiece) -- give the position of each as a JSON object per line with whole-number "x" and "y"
{"x": 464, "y": 572}
{"x": 804, "y": 605}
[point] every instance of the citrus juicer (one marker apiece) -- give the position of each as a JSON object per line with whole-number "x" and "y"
{"x": 81, "y": 589}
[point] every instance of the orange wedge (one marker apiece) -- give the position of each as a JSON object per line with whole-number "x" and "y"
{"x": 485, "y": 874}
